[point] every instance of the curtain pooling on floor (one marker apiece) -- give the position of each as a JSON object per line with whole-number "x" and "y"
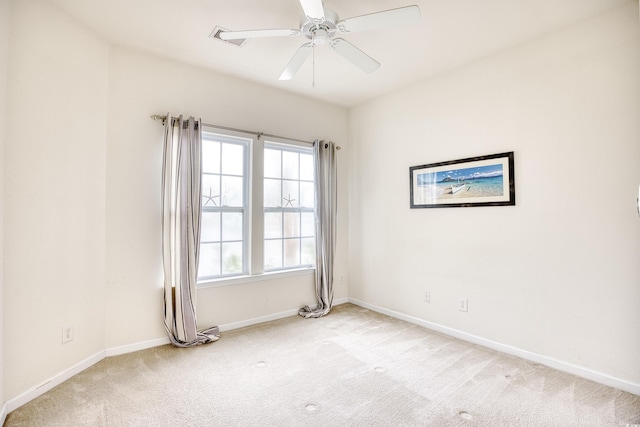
{"x": 324, "y": 154}
{"x": 181, "y": 215}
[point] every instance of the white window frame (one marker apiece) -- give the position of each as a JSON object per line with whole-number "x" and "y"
{"x": 254, "y": 218}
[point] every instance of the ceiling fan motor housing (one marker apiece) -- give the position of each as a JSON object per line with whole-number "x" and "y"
{"x": 320, "y": 31}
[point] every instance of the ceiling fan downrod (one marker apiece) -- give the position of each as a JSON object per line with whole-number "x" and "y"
{"x": 313, "y": 60}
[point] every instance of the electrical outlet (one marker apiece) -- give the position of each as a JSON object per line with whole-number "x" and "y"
{"x": 463, "y": 305}
{"x": 67, "y": 333}
{"x": 427, "y": 296}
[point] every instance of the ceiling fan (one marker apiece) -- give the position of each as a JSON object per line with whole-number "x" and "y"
{"x": 320, "y": 25}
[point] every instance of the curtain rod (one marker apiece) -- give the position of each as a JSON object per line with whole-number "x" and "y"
{"x": 259, "y": 134}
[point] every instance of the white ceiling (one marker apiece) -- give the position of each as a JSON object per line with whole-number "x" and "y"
{"x": 449, "y": 34}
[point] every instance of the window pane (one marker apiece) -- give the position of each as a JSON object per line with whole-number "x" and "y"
{"x": 272, "y": 165}
{"x": 231, "y": 226}
{"x": 307, "y": 196}
{"x": 291, "y": 252}
{"x": 233, "y": 159}
{"x": 210, "y": 227}
{"x": 210, "y": 190}
{"x": 308, "y": 251}
{"x": 232, "y": 191}
{"x": 272, "y": 254}
{"x": 291, "y": 224}
{"x": 209, "y": 260}
{"x": 289, "y": 165}
{"x": 272, "y": 193}
{"x": 306, "y": 167}
{"x": 290, "y": 194}
{"x": 308, "y": 226}
{"x": 232, "y": 258}
{"x": 272, "y": 225}
{"x": 210, "y": 156}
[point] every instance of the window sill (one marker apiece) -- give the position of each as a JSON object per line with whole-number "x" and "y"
{"x": 255, "y": 278}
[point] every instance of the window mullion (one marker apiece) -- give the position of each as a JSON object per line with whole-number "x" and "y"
{"x": 256, "y": 209}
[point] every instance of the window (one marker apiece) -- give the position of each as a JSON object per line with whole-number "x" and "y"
{"x": 289, "y": 223}
{"x": 257, "y": 206}
{"x": 223, "y": 249}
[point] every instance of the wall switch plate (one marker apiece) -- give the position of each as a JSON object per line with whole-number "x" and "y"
{"x": 67, "y": 333}
{"x": 427, "y": 296}
{"x": 463, "y": 305}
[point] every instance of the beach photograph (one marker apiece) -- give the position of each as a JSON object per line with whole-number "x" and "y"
{"x": 480, "y": 181}
{"x": 486, "y": 181}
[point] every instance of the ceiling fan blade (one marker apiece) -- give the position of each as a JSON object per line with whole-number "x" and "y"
{"x": 296, "y": 62}
{"x": 354, "y": 55}
{"x": 313, "y": 9}
{"x": 387, "y": 18}
{"x": 253, "y": 34}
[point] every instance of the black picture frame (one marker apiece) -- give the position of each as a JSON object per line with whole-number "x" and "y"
{"x": 475, "y": 181}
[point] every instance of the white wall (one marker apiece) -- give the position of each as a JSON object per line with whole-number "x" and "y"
{"x": 141, "y": 85}
{"x": 54, "y": 200}
{"x": 4, "y": 55}
{"x": 556, "y": 275}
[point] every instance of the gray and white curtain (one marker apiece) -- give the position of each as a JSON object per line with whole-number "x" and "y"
{"x": 181, "y": 213}
{"x": 324, "y": 154}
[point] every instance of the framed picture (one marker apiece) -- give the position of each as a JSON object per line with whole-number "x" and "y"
{"x": 476, "y": 181}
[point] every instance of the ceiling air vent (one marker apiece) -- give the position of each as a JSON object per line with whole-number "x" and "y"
{"x": 215, "y": 34}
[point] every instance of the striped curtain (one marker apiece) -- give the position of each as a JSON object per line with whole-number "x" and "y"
{"x": 181, "y": 213}
{"x": 324, "y": 154}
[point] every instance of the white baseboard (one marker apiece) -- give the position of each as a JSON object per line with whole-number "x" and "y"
{"x": 256, "y": 320}
{"x": 130, "y": 348}
{"x": 3, "y": 414}
{"x": 570, "y": 368}
{"x": 54, "y": 381}
{"x": 268, "y": 318}
{"x": 340, "y": 301}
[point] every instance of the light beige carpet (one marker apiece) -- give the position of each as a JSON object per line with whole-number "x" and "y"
{"x": 353, "y": 367}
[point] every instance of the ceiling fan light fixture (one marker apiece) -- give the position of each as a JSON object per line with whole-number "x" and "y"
{"x": 320, "y": 37}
